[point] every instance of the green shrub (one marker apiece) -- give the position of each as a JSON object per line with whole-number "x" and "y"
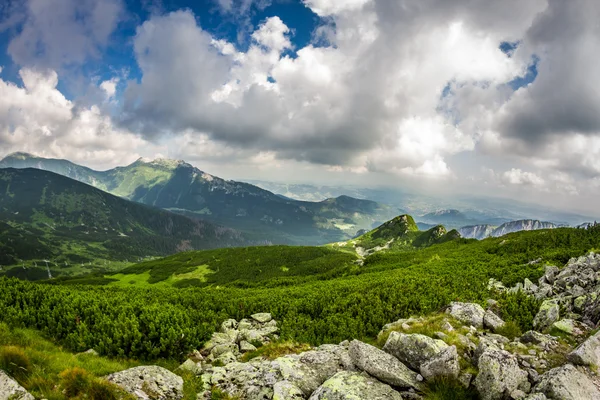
{"x": 510, "y": 330}
{"x": 75, "y": 381}
{"x": 448, "y": 389}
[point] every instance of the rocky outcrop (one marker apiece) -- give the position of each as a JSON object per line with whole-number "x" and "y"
{"x": 443, "y": 365}
{"x": 347, "y": 385}
{"x": 567, "y": 383}
{"x": 499, "y": 375}
{"x": 149, "y": 383}
{"x": 11, "y": 390}
{"x": 236, "y": 338}
{"x": 587, "y": 353}
{"x": 467, "y": 313}
{"x": 382, "y": 365}
{"x": 413, "y": 349}
{"x": 547, "y": 315}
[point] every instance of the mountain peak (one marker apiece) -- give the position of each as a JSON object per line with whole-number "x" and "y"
{"x": 20, "y": 155}
{"x": 163, "y": 162}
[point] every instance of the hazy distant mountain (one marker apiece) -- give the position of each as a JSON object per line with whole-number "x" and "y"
{"x": 48, "y": 216}
{"x": 476, "y": 231}
{"x": 178, "y": 186}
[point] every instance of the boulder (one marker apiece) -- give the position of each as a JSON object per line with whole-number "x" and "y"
{"x": 567, "y": 326}
{"x": 444, "y": 364}
{"x": 467, "y": 313}
{"x": 413, "y": 349}
{"x": 587, "y": 353}
{"x": 535, "y": 337}
{"x": 499, "y": 375}
{"x": 382, "y": 365}
{"x": 492, "y": 322}
{"x": 149, "y": 382}
{"x": 548, "y": 314}
{"x": 262, "y": 318}
{"x": 191, "y": 366}
{"x": 347, "y": 385}
{"x": 307, "y": 370}
{"x": 567, "y": 383}
{"x": 285, "y": 390}
{"x": 550, "y": 273}
{"x": 11, "y": 390}
{"x": 246, "y": 346}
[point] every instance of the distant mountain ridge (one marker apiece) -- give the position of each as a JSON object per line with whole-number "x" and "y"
{"x": 177, "y": 186}
{"x": 484, "y": 231}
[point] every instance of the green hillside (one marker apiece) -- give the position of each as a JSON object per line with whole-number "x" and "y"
{"x": 160, "y": 321}
{"x": 179, "y": 187}
{"x": 77, "y": 228}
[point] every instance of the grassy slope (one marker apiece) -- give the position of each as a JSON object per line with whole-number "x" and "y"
{"x": 77, "y": 227}
{"x": 319, "y": 308}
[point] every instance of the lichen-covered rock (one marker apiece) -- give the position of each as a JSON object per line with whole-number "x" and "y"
{"x": 535, "y": 337}
{"x": 285, "y": 390}
{"x": 228, "y": 325}
{"x": 499, "y": 375}
{"x": 548, "y": 314}
{"x": 442, "y": 365}
{"x": 536, "y": 396}
{"x": 567, "y": 326}
{"x": 492, "y": 322}
{"x": 354, "y": 386}
{"x": 149, "y": 382}
{"x": 263, "y": 318}
{"x": 11, "y": 390}
{"x": 382, "y": 365}
{"x": 467, "y": 313}
{"x": 413, "y": 349}
{"x": 246, "y": 346}
{"x": 307, "y": 370}
{"x": 587, "y": 353}
{"x": 191, "y": 366}
{"x": 567, "y": 383}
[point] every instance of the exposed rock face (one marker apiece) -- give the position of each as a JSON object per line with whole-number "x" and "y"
{"x": 467, "y": 313}
{"x": 382, "y": 365}
{"x": 492, "y": 321}
{"x": 11, "y": 390}
{"x": 413, "y": 349}
{"x": 499, "y": 375}
{"x": 521, "y": 225}
{"x": 478, "y": 232}
{"x": 587, "y": 353}
{"x": 547, "y": 315}
{"x": 442, "y": 365}
{"x": 567, "y": 383}
{"x": 354, "y": 386}
{"x": 285, "y": 390}
{"x": 149, "y": 383}
{"x": 236, "y": 338}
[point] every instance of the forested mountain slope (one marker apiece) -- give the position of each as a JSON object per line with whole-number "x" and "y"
{"x": 46, "y": 216}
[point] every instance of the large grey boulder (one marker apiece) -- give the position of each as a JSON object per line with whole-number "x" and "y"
{"x": 285, "y": 390}
{"x": 382, "y": 365}
{"x": 567, "y": 383}
{"x": 499, "y": 375}
{"x": 491, "y": 321}
{"x": 347, "y": 385}
{"x": 149, "y": 382}
{"x": 11, "y": 390}
{"x": 467, "y": 313}
{"x": 413, "y": 349}
{"x": 262, "y": 318}
{"x": 587, "y": 353}
{"x": 307, "y": 370}
{"x": 442, "y": 365}
{"x": 548, "y": 314}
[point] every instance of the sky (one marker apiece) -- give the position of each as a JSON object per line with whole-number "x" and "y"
{"x": 454, "y": 96}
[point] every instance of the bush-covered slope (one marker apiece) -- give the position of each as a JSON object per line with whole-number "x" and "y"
{"x": 70, "y": 224}
{"x": 164, "y": 322}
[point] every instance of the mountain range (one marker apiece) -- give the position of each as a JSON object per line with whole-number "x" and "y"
{"x": 484, "y": 231}
{"x": 179, "y": 187}
{"x": 74, "y": 226}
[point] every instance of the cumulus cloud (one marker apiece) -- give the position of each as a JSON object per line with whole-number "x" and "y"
{"x": 517, "y": 177}
{"x": 38, "y": 118}
{"x": 369, "y": 99}
{"x": 55, "y": 33}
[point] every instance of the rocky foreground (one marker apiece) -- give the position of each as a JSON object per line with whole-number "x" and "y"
{"x": 467, "y": 345}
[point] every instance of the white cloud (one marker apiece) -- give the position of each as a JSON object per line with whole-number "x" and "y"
{"x": 39, "y": 119}
{"x": 58, "y": 33}
{"x": 331, "y": 7}
{"x": 517, "y": 177}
